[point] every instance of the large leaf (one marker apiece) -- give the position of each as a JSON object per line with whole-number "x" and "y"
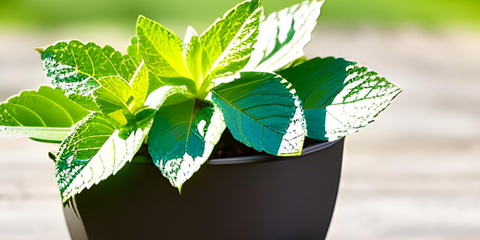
{"x": 262, "y": 111}
{"x": 283, "y": 35}
{"x": 318, "y": 80}
{"x": 339, "y": 96}
{"x": 229, "y": 41}
{"x": 75, "y": 67}
{"x": 101, "y": 144}
{"x": 162, "y": 52}
{"x": 93, "y": 152}
{"x": 98, "y": 147}
{"x": 183, "y": 136}
{"x": 45, "y": 115}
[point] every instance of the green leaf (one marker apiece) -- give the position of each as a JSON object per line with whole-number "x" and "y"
{"x": 98, "y": 148}
{"x": 262, "y": 111}
{"x": 45, "y": 115}
{"x": 119, "y": 100}
{"x": 162, "y": 52}
{"x": 189, "y": 34}
{"x": 114, "y": 98}
{"x": 93, "y": 152}
{"x": 140, "y": 87}
{"x": 229, "y": 41}
{"x": 318, "y": 80}
{"x": 134, "y": 50}
{"x": 339, "y": 96}
{"x": 183, "y": 136}
{"x": 86, "y": 102}
{"x": 75, "y": 67}
{"x": 197, "y": 60}
{"x": 283, "y": 35}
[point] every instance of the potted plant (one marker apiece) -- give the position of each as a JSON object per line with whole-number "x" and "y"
{"x": 240, "y": 104}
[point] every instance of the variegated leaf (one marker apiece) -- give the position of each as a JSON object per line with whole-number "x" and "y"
{"x": 93, "y": 152}
{"x": 98, "y": 148}
{"x": 183, "y": 136}
{"x": 283, "y": 35}
{"x": 365, "y": 95}
{"x": 229, "y": 41}
{"x": 262, "y": 111}
{"x": 162, "y": 51}
{"x": 75, "y": 67}
{"x": 339, "y": 96}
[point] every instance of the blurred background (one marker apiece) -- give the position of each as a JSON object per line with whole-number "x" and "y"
{"x": 413, "y": 174}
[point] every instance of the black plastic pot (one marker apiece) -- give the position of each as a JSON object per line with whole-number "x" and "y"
{"x": 248, "y": 198}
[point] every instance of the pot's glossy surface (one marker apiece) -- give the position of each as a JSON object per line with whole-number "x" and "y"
{"x": 268, "y": 198}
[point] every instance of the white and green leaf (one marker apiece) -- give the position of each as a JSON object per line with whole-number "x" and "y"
{"x": 44, "y": 115}
{"x": 365, "y": 95}
{"x": 283, "y": 36}
{"x": 93, "y": 152}
{"x": 98, "y": 147}
{"x": 162, "y": 52}
{"x": 76, "y": 67}
{"x": 183, "y": 136}
{"x": 230, "y": 40}
{"x": 339, "y": 96}
{"x": 262, "y": 111}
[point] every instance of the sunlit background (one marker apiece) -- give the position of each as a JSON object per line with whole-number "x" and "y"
{"x": 413, "y": 174}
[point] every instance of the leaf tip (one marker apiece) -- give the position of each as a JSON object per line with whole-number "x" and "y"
{"x": 39, "y": 50}
{"x": 180, "y": 189}
{"x": 295, "y": 154}
{"x": 140, "y": 19}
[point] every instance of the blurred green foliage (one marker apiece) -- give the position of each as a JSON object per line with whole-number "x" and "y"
{"x": 48, "y": 14}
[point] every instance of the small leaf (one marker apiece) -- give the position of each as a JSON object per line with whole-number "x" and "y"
{"x": 75, "y": 67}
{"x": 197, "y": 60}
{"x": 119, "y": 100}
{"x": 114, "y": 98}
{"x": 183, "y": 136}
{"x": 46, "y": 115}
{"x": 283, "y": 35}
{"x": 162, "y": 51}
{"x": 189, "y": 34}
{"x": 140, "y": 86}
{"x": 134, "y": 51}
{"x": 262, "y": 111}
{"x": 229, "y": 41}
{"x": 339, "y": 96}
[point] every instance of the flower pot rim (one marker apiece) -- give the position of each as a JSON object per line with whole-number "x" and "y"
{"x": 261, "y": 157}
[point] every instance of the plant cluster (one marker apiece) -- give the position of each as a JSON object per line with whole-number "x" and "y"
{"x": 247, "y": 72}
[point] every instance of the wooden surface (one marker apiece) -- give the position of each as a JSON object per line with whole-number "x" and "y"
{"x": 414, "y": 174}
